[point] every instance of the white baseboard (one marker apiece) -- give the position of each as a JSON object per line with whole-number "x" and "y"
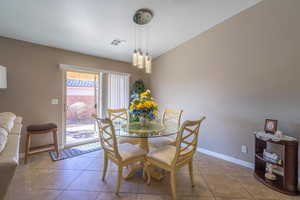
{"x": 227, "y": 158}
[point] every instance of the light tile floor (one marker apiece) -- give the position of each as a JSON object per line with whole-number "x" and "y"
{"x": 80, "y": 179}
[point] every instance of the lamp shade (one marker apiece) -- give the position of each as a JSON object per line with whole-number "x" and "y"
{"x": 3, "y": 78}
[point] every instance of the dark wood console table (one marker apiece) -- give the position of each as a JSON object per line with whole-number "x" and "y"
{"x": 288, "y": 181}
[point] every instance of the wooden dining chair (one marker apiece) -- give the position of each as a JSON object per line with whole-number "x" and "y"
{"x": 120, "y": 117}
{"x": 170, "y": 157}
{"x": 121, "y": 155}
{"x": 169, "y": 116}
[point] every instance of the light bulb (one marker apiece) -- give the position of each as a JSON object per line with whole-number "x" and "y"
{"x": 135, "y": 58}
{"x": 148, "y": 65}
{"x": 140, "y": 60}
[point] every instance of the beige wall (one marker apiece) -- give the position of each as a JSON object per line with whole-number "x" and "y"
{"x": 238, "y": 73}
{"x": 34, "y": 78}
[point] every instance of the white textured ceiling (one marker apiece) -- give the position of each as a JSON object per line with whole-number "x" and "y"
{"x": 88, "y": 26}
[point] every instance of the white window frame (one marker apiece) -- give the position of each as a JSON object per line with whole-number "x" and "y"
{"x": 102, "y": 106}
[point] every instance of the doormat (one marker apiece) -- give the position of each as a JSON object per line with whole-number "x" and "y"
{"x": 75, "y": 151}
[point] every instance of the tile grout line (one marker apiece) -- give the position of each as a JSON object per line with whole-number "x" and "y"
{"x": 98, "y": 193}
{"x": 245, "y": 188}
{"x": 208, "y": 185}
{"x": 250, "y": 193}
{"x": 65, "y": 189}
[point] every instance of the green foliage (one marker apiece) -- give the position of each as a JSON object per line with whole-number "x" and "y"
{"x": 138, "y": 87}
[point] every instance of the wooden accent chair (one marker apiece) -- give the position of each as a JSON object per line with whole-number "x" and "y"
{"x": 122, "y": 155}
{"x": 119, "y": 117}
{"x": 169, "y": 116}
{"x": 170, "y": 157}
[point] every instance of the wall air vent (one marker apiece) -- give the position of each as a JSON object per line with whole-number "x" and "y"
{"x": 116, "y": 42}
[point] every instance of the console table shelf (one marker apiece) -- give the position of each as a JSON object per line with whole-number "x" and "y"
{"x": 287, "y": 182}
{"x": 260, "y": 156}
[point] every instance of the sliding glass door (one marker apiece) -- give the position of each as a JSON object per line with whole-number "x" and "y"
{"x": 89, "y": 91}
{"x": 81, "y": 100}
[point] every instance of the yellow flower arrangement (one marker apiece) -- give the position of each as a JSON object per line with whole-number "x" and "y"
{"x": 144, "y": 106}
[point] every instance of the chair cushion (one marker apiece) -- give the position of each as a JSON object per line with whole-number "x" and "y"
{"x": 41, "y": 127}
{"x": 161, "y": 141}
{"x": 165, "y": 154}
{"x": 129, "y": 151}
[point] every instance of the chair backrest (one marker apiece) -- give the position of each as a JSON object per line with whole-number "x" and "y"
{"x": 118, "y": 115}
{"x": 108, "y": 137}
{"x": 173, "y": 116}
{"x": 187, "y": 140}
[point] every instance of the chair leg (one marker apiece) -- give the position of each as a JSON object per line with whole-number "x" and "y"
{"x": 55, "y": 140}
{"x": 144, "y": 173}
{"x": 147, "y": 171}
{"x": 120, "y": 175}
{"x": 27, "y": 147}
{"x": 105, "y": 167}
{"x": 173, "y": 184}
{"x": 191, "y": 172}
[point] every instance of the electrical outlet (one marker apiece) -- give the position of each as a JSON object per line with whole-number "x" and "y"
{"x": 244, "y": 149}
{"x": 54, "y": 101}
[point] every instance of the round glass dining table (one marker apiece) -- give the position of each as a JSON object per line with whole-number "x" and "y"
{"x": 151, "y": 129}
{"x": 142, "y": 132}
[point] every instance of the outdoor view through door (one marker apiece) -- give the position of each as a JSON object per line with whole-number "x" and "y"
{"x": 87, "y": 93}
{"x": 81, "y": 102}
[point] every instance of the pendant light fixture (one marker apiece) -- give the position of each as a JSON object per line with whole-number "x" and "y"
{"x": 139, "y": 58}
{"x": 148, "y": 63}
{"x": 135, "y": 58}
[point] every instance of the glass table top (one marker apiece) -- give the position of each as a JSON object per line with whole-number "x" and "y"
{"x": 149, "y": 130}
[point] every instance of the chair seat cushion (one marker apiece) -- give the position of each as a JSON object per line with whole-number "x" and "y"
{"x": 165, "y": 154}
{"x": 129, "y": 151}
{"x": 41, "y": 127}
{"x": 161, "y": 141}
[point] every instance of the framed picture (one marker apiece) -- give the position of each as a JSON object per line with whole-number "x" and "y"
{"x": 270, "y": 126}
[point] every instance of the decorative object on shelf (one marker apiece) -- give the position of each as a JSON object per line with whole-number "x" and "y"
{"x": 273, "y": 157}
{"x": 270, "y": 125}
{"x": 269, "y": 174}
{"x": 139, "y": 58}
{"x": 144, "y": 107}
{"x": 285, "y": 172}
{"x": 266, "y": 136}
{"x": 3, "y": 77}
{"x": 279, "y": 134}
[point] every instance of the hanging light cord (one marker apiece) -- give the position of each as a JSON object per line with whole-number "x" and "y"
{"x": 147, "y": 42}
{"x": 134, "y": 26}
